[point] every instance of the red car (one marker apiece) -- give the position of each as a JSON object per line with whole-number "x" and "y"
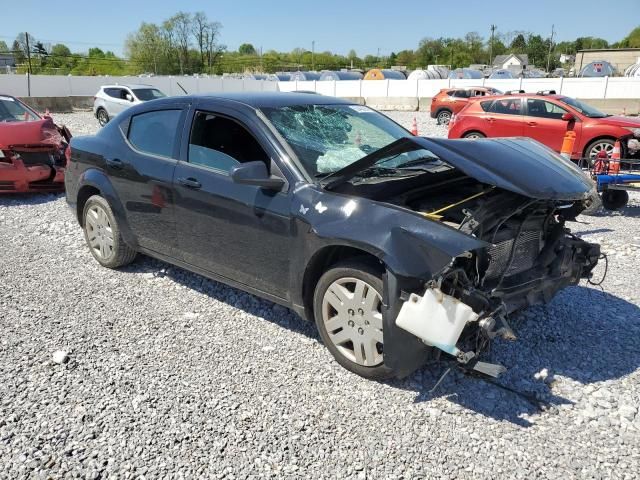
{"x": 449, "y": 101}
{"x": 32, "y": 149}
{"x": 546, "y": 118}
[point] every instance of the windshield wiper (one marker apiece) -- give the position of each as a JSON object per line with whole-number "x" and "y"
{"x": 417, "y": 161}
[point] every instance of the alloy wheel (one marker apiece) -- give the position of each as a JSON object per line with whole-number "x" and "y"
{"x": 99, "y": 232}
{"x": 352, "y": 316}
{"x": 444, "y": 118}
{"x": 599, "y": 147}
{"x": 103, "y": 117}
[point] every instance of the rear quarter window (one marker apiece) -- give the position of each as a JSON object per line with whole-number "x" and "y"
{"x": 155, "y": 132}
{"x": 486, "y": 106}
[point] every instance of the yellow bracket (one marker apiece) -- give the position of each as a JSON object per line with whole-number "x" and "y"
{"x": 436, "y": 215}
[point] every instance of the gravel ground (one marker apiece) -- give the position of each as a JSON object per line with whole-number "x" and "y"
{"x": 152, "y": 371}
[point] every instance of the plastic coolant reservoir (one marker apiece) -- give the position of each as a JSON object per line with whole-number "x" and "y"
{"x": 436, "y": 318}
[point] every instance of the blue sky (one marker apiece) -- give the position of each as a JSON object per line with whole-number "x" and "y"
{"x": 336, "y": 25}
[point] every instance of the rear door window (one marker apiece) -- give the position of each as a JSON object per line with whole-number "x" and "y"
{"x": 155, "y": 132}
{"x": 114, "y": 92}
{"x": 505, "y": 106}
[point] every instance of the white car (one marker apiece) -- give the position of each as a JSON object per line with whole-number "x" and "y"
{"x": 113, "y": 99}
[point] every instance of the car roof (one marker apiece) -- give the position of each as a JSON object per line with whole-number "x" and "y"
{"x": 274, "y": 99}
{"x": 132, "y": 86}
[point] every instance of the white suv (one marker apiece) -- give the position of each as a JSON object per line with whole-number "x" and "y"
{"x": 113, "y": 99}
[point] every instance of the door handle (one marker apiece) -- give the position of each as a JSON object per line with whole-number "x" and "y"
{"x": 490, "y": 119}
{"x": 190, "y": 183}
{"x": 532, "y": 124}
{"x": 114, "y": 163}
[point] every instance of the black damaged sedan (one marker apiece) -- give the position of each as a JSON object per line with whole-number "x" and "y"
{"x": 398, "y": 247}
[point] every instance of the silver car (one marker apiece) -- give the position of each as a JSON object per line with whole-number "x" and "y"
{"x": 113, "y": 99}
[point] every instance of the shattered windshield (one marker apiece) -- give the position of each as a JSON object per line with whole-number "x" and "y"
{"x": 13, "y": 111}
{"x": 327, "y": 138}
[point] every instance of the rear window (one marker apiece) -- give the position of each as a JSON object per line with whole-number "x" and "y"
{"x": 155, "y": 132}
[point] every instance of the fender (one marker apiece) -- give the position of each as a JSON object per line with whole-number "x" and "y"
{"x": 98, "y": 179}
{"x": 410, "y": 246}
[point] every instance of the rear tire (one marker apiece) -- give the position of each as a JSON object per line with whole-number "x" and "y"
{"x": 443, "y": 117}
{"x": 614, "y": 199}
{"x": 347, "y": 307}
{"x": 102, "y": 116}
{"x": 103, "y": 236}
{"x": 474, "y": 135}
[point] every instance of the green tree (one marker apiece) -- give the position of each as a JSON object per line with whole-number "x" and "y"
{"x": 246, "y": 49}
{"x": 519, "y": 44}
{"x": 3, "y": 46}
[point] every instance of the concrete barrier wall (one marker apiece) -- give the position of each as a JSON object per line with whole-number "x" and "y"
{"x": 613, "y": 95}
{"x": 64, "y": 86}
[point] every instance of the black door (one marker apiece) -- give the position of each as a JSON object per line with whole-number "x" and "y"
{"x": 241, "y": 232}
{"x": 142, "y": 173}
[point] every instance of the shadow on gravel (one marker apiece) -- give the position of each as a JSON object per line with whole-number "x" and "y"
{"x": 631, "y": 210}
{"x": 28, "y": 199}
{"x": 236, "y": 298}
{"x": 583, "y": 335}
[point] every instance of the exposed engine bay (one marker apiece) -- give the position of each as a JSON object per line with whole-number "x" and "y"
{"x": 530, "y": 256}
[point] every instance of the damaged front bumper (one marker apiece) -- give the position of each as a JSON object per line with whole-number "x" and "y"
{"x": 464, "y": 324}
{"x": 18, "y": 177}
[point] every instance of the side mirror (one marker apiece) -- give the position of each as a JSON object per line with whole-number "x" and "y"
{"x": 568, "y": 117}
{"x": 129, "y": 97}
{"x": 255, "y": 173}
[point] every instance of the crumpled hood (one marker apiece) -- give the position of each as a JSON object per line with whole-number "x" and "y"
{"x": 520, "y": 165}
{"x": 39, "y": 133}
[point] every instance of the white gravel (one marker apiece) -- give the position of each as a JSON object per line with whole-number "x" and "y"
{"x": 167, "y": 374}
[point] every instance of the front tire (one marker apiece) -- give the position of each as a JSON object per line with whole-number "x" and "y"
{"x": 597, "y": 146}
{"x": 347, "y": 307}
{"x": 102, "y": 234}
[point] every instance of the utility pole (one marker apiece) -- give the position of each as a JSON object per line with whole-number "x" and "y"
{"x": 493, "y": 29}
{"x": 550, "y": 47}
{"x": 26, "y": 35}
{"x": 313, "y": 54}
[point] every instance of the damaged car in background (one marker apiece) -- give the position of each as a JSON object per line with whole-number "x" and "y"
{"x": 398, "y": 247}
{"x": 32, "y": 149}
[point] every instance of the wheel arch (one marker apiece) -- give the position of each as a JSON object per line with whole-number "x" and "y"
{"x": 473, "y": 130}
{"x": 325, "y": 258}
{"x": 95, "y": 182}
{"x": 588, "y": 143}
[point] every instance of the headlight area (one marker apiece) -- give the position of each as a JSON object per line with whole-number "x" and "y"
{"x": 531, "y": 257}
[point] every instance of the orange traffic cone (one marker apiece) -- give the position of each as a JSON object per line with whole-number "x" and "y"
{"x": 614, "y": 165}
{"x": 567, "y": 144}
{"x": 414, "y": 127}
